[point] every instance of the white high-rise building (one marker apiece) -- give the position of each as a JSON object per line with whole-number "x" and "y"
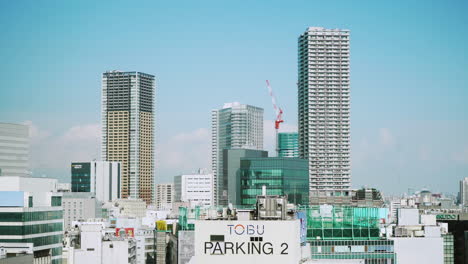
{"x": 235, "y": 126}
{"x": 324, "y": 110}
{"x": 14, "y": 150}
{"x": 164, "y": 195}
{"x": 196, "y": 189}
{"x": 464, "y": 193}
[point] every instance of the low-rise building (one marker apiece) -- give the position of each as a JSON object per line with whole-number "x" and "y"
{"x": 196, "y": 189}
{"x": 100, "y": 247}
{"x": 79, "y": 207}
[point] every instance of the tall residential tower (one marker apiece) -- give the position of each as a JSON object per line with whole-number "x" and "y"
{"x": 128, "y": 130}
{"x": 235, "y": 126}
{"x": 324, "y": 105}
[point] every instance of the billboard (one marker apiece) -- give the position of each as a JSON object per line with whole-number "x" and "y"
{"x": 247, "y": 242}
{"x": 125, "y": 232}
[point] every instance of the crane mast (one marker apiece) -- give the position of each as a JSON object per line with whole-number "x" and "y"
{"x": 278, "y": 113}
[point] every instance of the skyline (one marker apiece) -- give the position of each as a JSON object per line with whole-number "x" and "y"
{"x": 394, "y": 128}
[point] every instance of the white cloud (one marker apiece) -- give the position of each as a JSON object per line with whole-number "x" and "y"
{"x": 183, "y": 153}
{"x": 78, "y": 143}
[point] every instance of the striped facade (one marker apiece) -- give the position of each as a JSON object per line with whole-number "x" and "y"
{"x": 128, "y": 130}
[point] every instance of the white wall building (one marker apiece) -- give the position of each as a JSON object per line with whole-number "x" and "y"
{"x": 98, "y": 247}
{"x": 196, "y": 189}
{"x": 417, "y": 238}
{"x": 234, "y": 126}
{"x": 79, "y": 207}
{"x": 131, "y": 207}
{"x": 100, "y": 177}
{"x": 324, "y": 110}
{"x": 164, "y": 196}
{"x": 14, "y": 150}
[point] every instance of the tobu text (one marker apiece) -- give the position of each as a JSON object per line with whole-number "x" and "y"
{"x": 249, "y": 230}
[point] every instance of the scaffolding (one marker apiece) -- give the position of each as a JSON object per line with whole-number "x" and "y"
{"x": 328, "y": 222}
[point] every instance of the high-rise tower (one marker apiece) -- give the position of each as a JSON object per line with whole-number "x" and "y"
{"x": 235, "y": 126}
{"x": 128, "y": 130}
{"x": 323, "y": 116}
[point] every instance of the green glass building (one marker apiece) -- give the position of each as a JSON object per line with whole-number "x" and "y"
{"x": 288, "y": 146}
{"x": 31, "y": 218}
{"x": 348, "y": 233}
{"x": 280, "y": 176}
{"x": 81, "y": 177}
{"x": 33, "y": 224}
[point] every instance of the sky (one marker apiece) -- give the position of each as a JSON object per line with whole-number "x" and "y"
{"x": 409, "y": 78}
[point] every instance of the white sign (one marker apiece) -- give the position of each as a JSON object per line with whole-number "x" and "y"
{"x": 247, "y": 242}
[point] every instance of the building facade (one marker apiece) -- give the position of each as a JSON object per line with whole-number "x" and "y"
{"x": 79, "y": 207}
{"x": 324, "y": 111}
{"x": 31, "y": 217}
{"x": 99, "y": 177}
{"x": 164, "y": 195}
{"x": 231, "y": 171}
{"x": 288, "y": 145}
{"x": 128, "y": 130}
{"x": 235, "y": 126}
{"x": 280, "y": 176}
{"x": 14, "y": 150}
{"x": 196, "y": 189}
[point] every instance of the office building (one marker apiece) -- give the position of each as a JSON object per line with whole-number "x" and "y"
{"x": 14, "y": 150}
{"x": 231, "y": 171}
{"x": 79, "y": 207}
{"x": 99, "y": 177}
{"x": 164, "y": 195}
{"x": 128, "y": 130}
{"x": 323, "y": 112}
{"x": 280, "y": 176}
{"x": 288, "y": 145}
{"x": 31, "y": 217}
{"x": 195, "y": 189}
{"x": 235, "y": 126}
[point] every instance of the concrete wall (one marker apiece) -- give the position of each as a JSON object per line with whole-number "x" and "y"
{"x": 427, "y": 250}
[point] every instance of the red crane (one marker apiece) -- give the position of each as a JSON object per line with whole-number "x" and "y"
{"x": 278, "y": 112}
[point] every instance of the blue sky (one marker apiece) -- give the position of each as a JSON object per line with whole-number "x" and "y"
{"x": 409, "y": 77}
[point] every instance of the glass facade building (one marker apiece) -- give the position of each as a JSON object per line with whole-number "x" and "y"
{"x": 235, "y": 126}
{"x": 449, "y": 257}
{"x": 288, "y": 145}
{"x": 42, "y": 226}
{"x": 81, "y": 177}
{"x": 351, "y": 233}
{"x": 280, "y": 176}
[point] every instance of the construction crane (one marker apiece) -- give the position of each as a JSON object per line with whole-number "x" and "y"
{"x": 278, "y": 113}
